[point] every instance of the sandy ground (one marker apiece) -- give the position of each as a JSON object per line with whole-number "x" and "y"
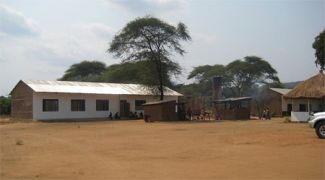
{"x": 252, "y": 149}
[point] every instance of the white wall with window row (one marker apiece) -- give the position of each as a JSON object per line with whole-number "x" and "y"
{"x": 64, "y": 105}
{"x": 298, "y": 105}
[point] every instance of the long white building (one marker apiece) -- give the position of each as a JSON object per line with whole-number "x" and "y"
{"x": 46, "y": 100}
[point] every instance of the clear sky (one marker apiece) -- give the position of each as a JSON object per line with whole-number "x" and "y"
{"x": 40, "y": 39}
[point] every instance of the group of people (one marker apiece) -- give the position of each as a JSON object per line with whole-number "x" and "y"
{"x": 116, "y": 116}
{"x": 266, "y": 115}
{"x": 135, "y": 115}
{"x": 132, "y": 115}
{"x": 201, "y": 115}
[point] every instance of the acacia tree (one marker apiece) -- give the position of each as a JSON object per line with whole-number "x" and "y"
{"x": 239, "y": 76}
{"x": 84, "y": 71}
{"x": 150, "y": 39}
{"x": 244, "y": 74}
{"x": 319, "y": 46}
{"x": 203, "y": 76}
{"x": 137, "y": 72}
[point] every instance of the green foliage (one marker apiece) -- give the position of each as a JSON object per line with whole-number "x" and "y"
{"x": 206, "y": 72}
{"x": 189, "y": 89}
{"x": 319, "y": 46}
{"x": 84, "y": 71}
{"x": 240, "y": 77}
{"x": 150, "y": 39}
{"x": 244, "y": 74}
{"x": 5, "y": 105}
{"x": 276, "y": 84}
{"x": 137, "y": 72}
{"x": 203, "y": 76}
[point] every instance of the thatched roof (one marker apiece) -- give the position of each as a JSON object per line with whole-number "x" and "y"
{"x": 313, "y": 88}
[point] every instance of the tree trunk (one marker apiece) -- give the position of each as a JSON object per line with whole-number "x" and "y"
{"x": 160, "y": 77}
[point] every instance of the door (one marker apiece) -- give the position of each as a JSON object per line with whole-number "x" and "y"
{"x": 124, "y": 108}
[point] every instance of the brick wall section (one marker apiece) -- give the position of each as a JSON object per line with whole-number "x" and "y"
{"x": 161, "y": 112}
{"x": 22, "y": 101}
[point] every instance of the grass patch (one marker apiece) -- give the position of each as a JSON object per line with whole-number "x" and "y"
{"x": 287, "y": 120}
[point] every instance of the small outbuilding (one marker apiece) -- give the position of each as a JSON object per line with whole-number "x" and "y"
{"x": 160, "y": 111}
{"x": 233, "y": 108}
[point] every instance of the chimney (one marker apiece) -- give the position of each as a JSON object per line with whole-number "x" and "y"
{"x": 216, "y": 87}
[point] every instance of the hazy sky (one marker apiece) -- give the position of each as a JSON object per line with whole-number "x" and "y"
{"x": 40, "y": 39}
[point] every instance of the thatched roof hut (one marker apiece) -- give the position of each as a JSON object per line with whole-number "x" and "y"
{"x": 312, "y": 88}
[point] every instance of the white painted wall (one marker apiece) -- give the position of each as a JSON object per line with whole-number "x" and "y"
{"x": 299, "y": 116}
{"x": 295, "y": 104}
{"x": 90, "y": 103}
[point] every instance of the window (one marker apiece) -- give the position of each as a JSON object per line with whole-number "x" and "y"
{"x": 102, "y": 105}
{"x": 138, "y": 104}
{"x": 302, "y": 107}
{"x": 77, "y": 105}
{"x": 50, "y": 105}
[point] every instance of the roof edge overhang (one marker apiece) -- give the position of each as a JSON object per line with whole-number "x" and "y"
{"x": 106, "y": 94}
{"x": 233, "y": 99}
{"x": 25, "y": 82}
{"x": 303, "y": 97}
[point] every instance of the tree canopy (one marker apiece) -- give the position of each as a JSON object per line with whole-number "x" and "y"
{"x": 84, "y": 71}
{"x": 319, "y": 46}
{"x": 150, "y": 39}
{"x": 203, "y": 76}
{"x": 128, "y": 72}
{"x": 136, "y": 72}
{"x": 240, "y": 77}
{"x": 244, "y": 74}
{"x": 206, "y": 72}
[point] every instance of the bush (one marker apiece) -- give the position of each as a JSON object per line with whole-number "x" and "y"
{"x": 287, "y": 120}
{"x": 5, "y": 105}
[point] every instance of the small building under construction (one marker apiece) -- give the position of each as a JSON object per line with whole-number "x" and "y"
{"x": 160, "y": 111}
{"x": 233, "y": 108}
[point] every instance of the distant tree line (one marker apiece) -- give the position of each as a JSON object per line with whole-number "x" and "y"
{"x": 128, "y": 72}
{"x": 240, "y": 77}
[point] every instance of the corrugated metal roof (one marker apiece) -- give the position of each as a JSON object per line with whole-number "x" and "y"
{"x": 157, "y": 102}
{"x": 92, "y": 88}
{"x": 232, "y": 99}
{"x": 281, "y": 90}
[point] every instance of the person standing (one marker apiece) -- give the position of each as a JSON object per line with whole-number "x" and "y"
{"x": 268, "y": 114}
{"x": 264, "y": 114}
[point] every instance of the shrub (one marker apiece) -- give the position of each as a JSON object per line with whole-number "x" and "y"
{"x": 5, "y": 105}
{"x": 287, "y": 120}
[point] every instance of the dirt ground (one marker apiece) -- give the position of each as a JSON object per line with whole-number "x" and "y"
{"x": 253, "y": 149}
